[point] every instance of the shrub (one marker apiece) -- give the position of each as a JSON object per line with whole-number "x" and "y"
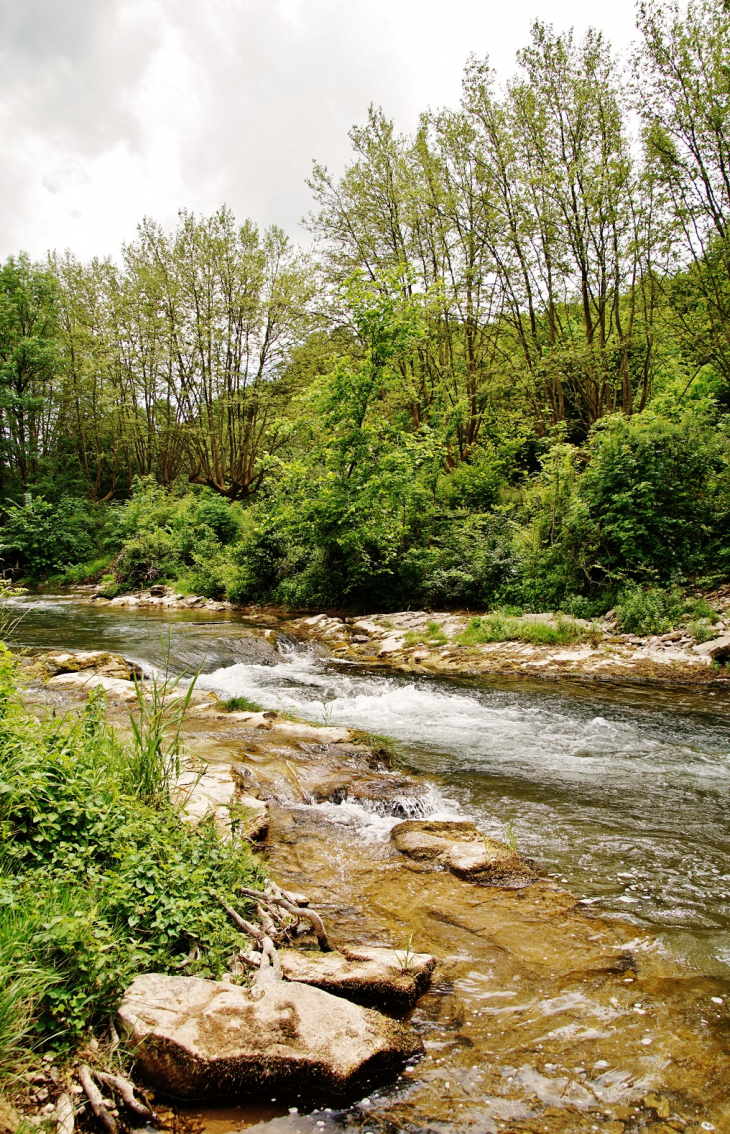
{"x": 99, "y": 882}
{"x": 40, "y": 538}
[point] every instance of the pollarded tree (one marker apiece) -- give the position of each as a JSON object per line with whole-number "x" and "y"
{"x": 30, "y": 366}
{"x": 564, "y": 225}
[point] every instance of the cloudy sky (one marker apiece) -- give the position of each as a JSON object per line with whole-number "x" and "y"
{"x": 115, "y": 109}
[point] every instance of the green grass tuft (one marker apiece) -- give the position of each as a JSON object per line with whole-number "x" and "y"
{"x": 505, "y": 628}
{"x": 242, "y": 705}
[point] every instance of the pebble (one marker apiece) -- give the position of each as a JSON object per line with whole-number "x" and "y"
{"x": 716, "y": 999}
{"x": 646, "y": 1041}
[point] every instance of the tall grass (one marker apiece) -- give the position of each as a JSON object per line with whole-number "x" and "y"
{"x": 504, "y": 628}
{"x": 155, "y": 756}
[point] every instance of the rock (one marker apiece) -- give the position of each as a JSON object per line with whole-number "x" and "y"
{"x": 372, "y": 976}
{"x": 199, "y": 1038}
{"x": 717, "y": 649}
{"x": 87, "y": 661}
{"x": 464, "y": 850}
{"x": 113, "y": 686}
{"x": 159, "y": 590}
{"x": 10, "y": 1120}
{"x": 386, "y": 795}
{"x": 391, "y": 645}
{"x": 216, "y": 793}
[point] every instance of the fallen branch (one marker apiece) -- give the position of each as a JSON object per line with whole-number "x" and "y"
{"x": 95, "y": 1098}
{"x": 125, "y": 1089}
{"x": 246, "y": 927}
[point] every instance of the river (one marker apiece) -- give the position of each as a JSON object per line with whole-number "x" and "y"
{"x": 619, "y": 792}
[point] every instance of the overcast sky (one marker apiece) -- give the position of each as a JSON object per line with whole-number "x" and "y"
{"x": 115, "y": 109}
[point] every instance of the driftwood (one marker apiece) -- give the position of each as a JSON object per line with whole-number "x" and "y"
{"x": 95, "y": 1098}
{"x": 125, "y": 1090}
{"x": 64, "y": 1114}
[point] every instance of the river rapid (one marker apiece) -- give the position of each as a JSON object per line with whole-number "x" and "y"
{"x": 619, "y": 793}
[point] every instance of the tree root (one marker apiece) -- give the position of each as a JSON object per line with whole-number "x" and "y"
{"x": 274, "y": 899}
{"x": 95, "y": 1098}
{"x": 125, "y": 1090}
{"x": 64, "y": 1114}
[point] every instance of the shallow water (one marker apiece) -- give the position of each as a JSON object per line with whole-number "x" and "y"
{"x": 619, "y": 792}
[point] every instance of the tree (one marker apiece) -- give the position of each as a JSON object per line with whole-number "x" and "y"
{"x": 29, "y": 365}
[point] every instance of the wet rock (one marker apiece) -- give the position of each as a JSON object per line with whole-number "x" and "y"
{"x": 386, "y": 795}
{"x": 717, "y": 649}
{"x": 57, "y": 662}
{"x": 83, "y": 681}
{"x": 461, "y": 848}
{"x": 374, "y": 977}
{"x": 215, "y": 793}
{"x": 199, "y": 1038}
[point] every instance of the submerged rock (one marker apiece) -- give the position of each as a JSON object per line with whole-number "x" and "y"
{"x": 462, "y": 848}
{"x": 199, "y": 1038}
{"x": 372, "y": 976}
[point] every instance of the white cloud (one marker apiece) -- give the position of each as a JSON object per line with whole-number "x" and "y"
{"x": 113, "y": 109}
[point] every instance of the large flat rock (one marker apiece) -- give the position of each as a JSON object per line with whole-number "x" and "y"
{"x": 216, "y": 793}
{"x": 386, "y": 978}
{"x": 461, "y": 847}
{"x": 199, "y": 1038}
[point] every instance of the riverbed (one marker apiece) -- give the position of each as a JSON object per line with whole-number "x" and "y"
{"x": 618, "y": 793}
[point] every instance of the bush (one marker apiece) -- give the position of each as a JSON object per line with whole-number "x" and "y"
{"x": 39, "y": 538}
{"x": 97, "y": 882}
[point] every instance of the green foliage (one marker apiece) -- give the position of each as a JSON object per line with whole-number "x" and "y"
{"x": 241, "y": 705}
{"x": 100, "y": 879}
{"x": 42, "y": 538}
{"x": 499, "y": 627}
{"x": 654, "y": 610}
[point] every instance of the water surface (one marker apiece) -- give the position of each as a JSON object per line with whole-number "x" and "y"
{"x": 621, "y": 792}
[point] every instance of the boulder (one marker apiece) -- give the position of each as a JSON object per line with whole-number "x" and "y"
{"x": 56, "y": 662}
{"x": 85, "y": 682}
{"x": 197, "y": 1038}
{"x": 717, "y": 649}
{"x": 385, "y": 795}
{"x": 376, "y": 977}
{"x": 461, "y": 847}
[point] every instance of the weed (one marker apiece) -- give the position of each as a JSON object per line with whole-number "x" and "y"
{"x": 499, "y": 627}
{"x": 241, "y": 705}
{"x": 701, "y": 630}
{"x": 383, "y": 749}
{"x": 510, "y": 836}
{"x": 433, "y": 635}
{"x": 406, "y": 959}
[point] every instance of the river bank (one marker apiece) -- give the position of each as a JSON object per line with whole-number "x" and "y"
{"x": 445, "y": 642}
{"x": 542, "y": 1014}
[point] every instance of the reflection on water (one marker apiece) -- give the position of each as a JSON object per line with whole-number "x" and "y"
{"x": 621, "y": 792}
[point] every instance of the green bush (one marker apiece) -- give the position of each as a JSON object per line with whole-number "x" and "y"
{"x": 39, "y": 538}
{"x": 97, "y": 883}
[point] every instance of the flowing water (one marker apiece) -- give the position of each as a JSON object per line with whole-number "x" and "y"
{"x": 621, "y": 793}
{"x": 543, "y": 1015}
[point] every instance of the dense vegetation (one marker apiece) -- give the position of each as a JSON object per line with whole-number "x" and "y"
{"x": 100, "y": 878}
{"x": 501, "y": 375}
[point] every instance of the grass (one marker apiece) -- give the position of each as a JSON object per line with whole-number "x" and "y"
{"x": 499, "y": 627}
{"x": 100, "y": 878}
{"x": 433, "y": 635}
{"x": 241, "y": 705}
{"x": 384, "y": 750}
